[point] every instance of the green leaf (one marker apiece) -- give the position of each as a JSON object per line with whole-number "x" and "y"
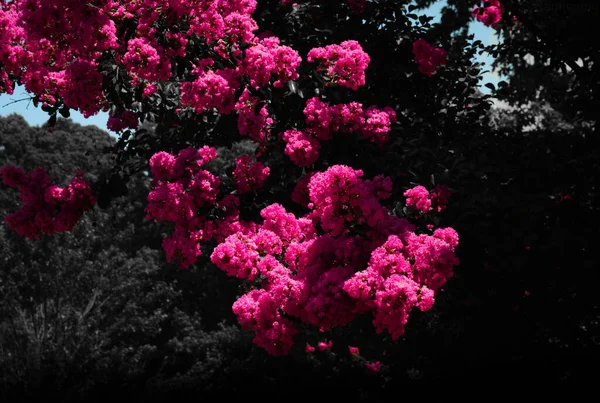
{"x": 293, "y": 86}
{"x": 64, "y": 111}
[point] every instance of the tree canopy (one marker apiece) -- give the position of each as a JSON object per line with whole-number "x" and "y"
{"x": 312, "y": 196}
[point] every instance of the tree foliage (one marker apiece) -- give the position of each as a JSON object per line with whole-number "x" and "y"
{"x": 99, "y": 308}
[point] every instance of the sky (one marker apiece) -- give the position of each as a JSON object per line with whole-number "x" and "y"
{"x": 35, "y": 116}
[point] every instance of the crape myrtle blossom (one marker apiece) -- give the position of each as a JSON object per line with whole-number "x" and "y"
{"x": 322, "y": 280}
{"x": 373, "y": 366}
{"x": 211, "y": 89}
{"x": 180, "y": 188}
{"x": 252, "y": 123}
{"x": 489, "y": 15}
{"x": 418, "y": 198}
{"x": 46, "y": 208}
{"x": 345, "y": 255}
{"x": 313, "y": 269}
{"x": 428, "y": 57}
{"x": 325, "y": 280}
{"x": 125, "y": 120}
{"x": 423, "y": 201}
{"x": 71, "y": 74}
{"x": 323, "y": 120}
{"x": 324, "y": 346}
{"x": 439, "y": 198}
{"x": 302, "y": 148}
{"x": 344, "y": 64}
{"x": 269, "y": 59}
{"x": 249, "y": 176}
{"x": 144, "y": 60}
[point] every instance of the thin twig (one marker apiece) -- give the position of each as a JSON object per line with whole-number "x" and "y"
{"x": 18, "y": 100}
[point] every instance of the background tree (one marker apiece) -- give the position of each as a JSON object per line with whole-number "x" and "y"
{"x": 532, "y": 182}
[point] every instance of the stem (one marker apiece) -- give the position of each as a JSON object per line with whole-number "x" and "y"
{"x": 18, "y": 100}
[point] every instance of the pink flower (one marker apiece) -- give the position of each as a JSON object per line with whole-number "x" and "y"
{"x": 249, "y": 176}
{"x": 428, "y": 57}
{"x": 212, "y": 89}
{"x": 253, "y": 121}
{"x": 46, "y": 208}
{"x": 126, "y": 120}
{"x": 268, "y": 59}
{"x": 324, "y": 346}
{"x": 439, "y": 198}
{"x": 145, "y": 61}
{"x": 302, "y": 149}
{"x": 344, "y": 64}
{"x": 13, "y": 176}
{"x": 312, "y": 269}
{"x": 490, "y": 15}
{"x": 418, "y": 197}
{"x": 374, "y": 367}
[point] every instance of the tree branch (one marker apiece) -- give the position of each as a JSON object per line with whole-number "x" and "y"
{"x": 18, "y": 100}
{"x": 551, "y": 42}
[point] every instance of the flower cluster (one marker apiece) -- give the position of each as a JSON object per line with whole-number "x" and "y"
{"x": 439, "y": 198}
{"x": 126, "y": 120}
{"x": 374, "y": 367}
{"x": 348, "y": 255}
{"x": 339, "y": 197}
{"x": 421, "y": 200}
{"x": 402, "y": 274}
{"x": 36, "y": 37}
{"x": 489, "y": 15}
{"x": 268, "y": 58}
{"x": 418, "y": 198}
{"x": 46, "y": 208}
{"x": 343, "y": 64}
{"x": 145, "y": 60}
{"x": 300, "y": 194}
{"x": 221, "y": 22}
{"x": 252, "y": 123}
{"x": 33, "y": 34}
{"x": 180, "y": 188}
{"x": 302, "y": 148}
{"x": 186, "y": 194}
{"x": 428, "y": 57}
{"x": 82, "y": 87}
{"x": 319, "y": 270}
{"x": 322, "y": 120}
{"x": 249, "y": 176}
{"x": 212, "y": 89}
